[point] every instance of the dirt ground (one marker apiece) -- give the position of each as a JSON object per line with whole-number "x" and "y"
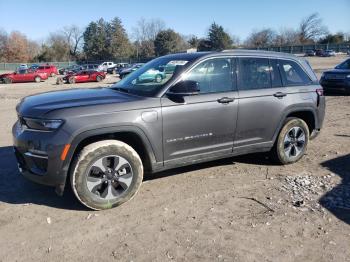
{"x": 237, "y": 209}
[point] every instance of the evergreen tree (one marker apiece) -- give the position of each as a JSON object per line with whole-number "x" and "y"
{"x": 119, "y": 46}
{"x": 218, "y": 38}
{"x": 167, "y": 41}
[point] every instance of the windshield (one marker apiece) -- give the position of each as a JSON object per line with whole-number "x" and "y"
{"x": 149, "y": 78}
{"x": 344, "y": 65}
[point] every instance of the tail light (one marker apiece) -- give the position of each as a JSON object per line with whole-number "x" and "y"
{"x": 319, "y": 91}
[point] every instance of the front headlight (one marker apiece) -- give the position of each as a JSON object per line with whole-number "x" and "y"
{"x": 42, "y": 124}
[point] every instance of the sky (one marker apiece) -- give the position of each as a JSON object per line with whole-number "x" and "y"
{"x": 38, "y": 18}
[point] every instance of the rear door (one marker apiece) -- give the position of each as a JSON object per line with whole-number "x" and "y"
{"x": 264, "y": 97}
{"x": 202, "y": 125}
{"x": 83, "y": 77}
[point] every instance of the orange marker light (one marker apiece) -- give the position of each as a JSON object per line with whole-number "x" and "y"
{"x": 65, "y": 152}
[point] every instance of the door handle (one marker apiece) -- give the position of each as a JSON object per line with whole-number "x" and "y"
{"x": 279, "y": 95}
{"x": 225, "y": 100}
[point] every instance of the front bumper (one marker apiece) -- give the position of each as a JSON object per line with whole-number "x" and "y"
{"x": 335, "y": 85}
{"x": 38, "y": 155}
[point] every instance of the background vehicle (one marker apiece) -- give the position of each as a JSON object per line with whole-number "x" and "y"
{"x": 328, "y": 53}
{"x": 34, "y": 67}
{"x": 126, "y": 71}
{"x": 310, "y": 53}
{"x": 319, "y": 52}
{"x": 71, "y": 68}
{"x": 82, "y": 76}
{"x": 205, "y": 110}
{"x": 105, "y": 65}
{"x": 23, "y": 67}
{"x": 337, "y": 79}
{"x": 94, "y": 67}
{"x": 50, "y": 70}
{"x": 23, "y": 76}
{"x": 152, "y": 75}
{"x": 117, "y": 68}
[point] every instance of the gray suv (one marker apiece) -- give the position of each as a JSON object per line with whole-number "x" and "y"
{"x": 208, "y": 105}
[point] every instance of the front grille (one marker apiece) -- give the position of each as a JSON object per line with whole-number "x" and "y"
{"x": 335, "y": 76}
{"x": 30, "y": 162}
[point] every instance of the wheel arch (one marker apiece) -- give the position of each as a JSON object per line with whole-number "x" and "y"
{"x": 132, "y": 136}
{"x": 308, "y": 114}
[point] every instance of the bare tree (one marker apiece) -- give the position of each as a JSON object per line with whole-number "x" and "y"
{"x": 145, "y": 34}
{"x": 148, "y": 29}
{"x": 236, "y": 41}
{"x": 262, "y": 38}
{"x": 3, "y": 43}
{"x": 74, "y": 37}
{"x": 287, "y": 36}
{"x": 311, "y": 28}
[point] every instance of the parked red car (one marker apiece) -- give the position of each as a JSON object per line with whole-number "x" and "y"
{"x": 50, "y": 70}
{"x": 23, "y": 76}
{"x": 82, "y": 76}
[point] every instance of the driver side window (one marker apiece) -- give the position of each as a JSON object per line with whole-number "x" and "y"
{"x": 213, "y": 76}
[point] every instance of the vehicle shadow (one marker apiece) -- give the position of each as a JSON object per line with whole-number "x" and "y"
{"x": 255, "y": 159}
{"x": 337, "y": 200}
{"x": 15, "y": 189}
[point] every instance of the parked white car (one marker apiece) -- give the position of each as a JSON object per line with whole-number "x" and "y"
{"x": 105, "y": 65}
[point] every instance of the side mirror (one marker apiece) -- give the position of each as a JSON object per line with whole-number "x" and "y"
{"x": 184, "y": 88}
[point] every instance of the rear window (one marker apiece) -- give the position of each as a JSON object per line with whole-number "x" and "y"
{"x": 292, "y": 74}
{"x": 254, "y": 73}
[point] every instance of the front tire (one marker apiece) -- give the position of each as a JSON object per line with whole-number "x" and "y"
{"x": 7, "y": 80}
{"x": 292, "y": 141}
{"x": 158, "y": 78}
{"x": 71, "y": 80}
{"x": 106, "y": 174}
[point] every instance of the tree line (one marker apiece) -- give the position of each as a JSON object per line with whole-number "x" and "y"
{"x": 102, "y": 40}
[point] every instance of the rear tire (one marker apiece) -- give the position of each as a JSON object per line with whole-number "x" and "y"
{"x": 99, "y": 78}
{"x": 100, "y": 183}
{"x": 292, "y": 141}
{"x": 37, "y": 79}
{"x": 71, "y": 80}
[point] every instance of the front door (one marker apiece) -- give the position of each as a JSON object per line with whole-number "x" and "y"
{"x": 83, "y": 77}
{"x": 202, "y": 125}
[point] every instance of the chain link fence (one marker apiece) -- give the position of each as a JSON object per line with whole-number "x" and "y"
{"x": 295, "y": 49}
{"x": 300, "y": 49}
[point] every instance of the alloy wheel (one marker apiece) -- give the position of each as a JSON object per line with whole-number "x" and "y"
{"x": 294, "y": 142}
{"x": 109, "y": 177}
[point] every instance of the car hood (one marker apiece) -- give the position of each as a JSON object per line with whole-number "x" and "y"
{"x": 39, "y": 105}
{"x": 4, "y": 75}
{"x": 338, "y": 71}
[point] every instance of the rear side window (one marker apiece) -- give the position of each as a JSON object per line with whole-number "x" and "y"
{"x": 41, "y": 67}
{"x": 292, "y": 74}
{"x": 254, "y": 73}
